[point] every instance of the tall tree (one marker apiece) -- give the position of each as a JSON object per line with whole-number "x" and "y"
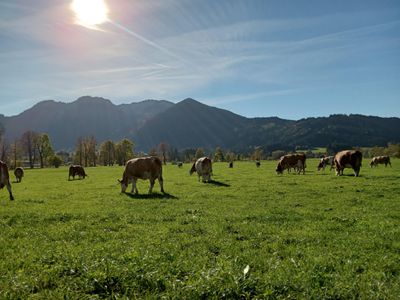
{"x": 199, "y": 153}
{"x": 79, "y": 151}
{"x": 257, "y": 154}
{"x": 107, "y": 153}
{"x": 163, "y": 147}
{"x": 44, "y": 148}
{"x": 230, "y": 156}
{"x": 173, "y": 154}
{"x": 90, "y": 145}
{"x": 15, "y": 153}
{"x": 124, "y": 151}
{"x": 28, "y": 142}
{"x": 219, "y": 154}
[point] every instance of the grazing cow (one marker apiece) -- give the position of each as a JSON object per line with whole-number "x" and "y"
{"x": 231, "y": 164}
{"x": 76, "y": 170}
{"x": 19, "y": 173}
{"x": 203, "y": 167}
{"x": 380, "y": 160}
{"x": 258, "y": 164}
{"x": 142, "y": 168}
{"x": 180, "y": 164}
{"x": 348, "y": 159}
{"x": 326, "y": 161}
{"x": 5, "y": 179}
{"x": 296, "y": 161}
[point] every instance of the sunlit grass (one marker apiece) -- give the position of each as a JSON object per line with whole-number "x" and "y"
{"x": 314, "y": 236}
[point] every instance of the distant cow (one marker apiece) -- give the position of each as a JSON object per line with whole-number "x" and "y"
{"x": 231, "y": 164}
{"x": 258, "y": 164}
{"x": 348, "y": 159}
{"x": 19, "y": 173}
{"x": 142, "y": 168}
{"x": 180, "y": 164}
{"x": 296, "y": 161}
{"x": 203, "y": 167}
{"x": 380, "y": 160}
{"x": 76, "y": 170}
{"x": 5, "y": 179}
{"x": 326, "y": 161}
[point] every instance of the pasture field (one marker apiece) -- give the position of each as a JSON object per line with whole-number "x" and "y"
{"x": 249, "y": 234}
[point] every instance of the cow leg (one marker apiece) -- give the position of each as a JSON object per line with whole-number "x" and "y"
{"x": 134, "y": 188}
{"x": 9, "y": 190}
{"x": 151, "y": 185}
{"x": 161, "y": 182}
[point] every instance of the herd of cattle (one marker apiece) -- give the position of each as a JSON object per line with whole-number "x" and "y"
{"x": 151, "y": 168}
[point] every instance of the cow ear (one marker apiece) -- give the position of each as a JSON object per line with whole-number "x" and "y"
{"x": 119, "y": 180}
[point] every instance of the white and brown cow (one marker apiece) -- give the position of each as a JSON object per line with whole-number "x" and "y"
{"x": 384, "y": 160}
{"x": 326, "y": 161}
{"x": 296, "y": 161}
{"x": 142, "y": 168}
{"x": 348, "y": 159}
{"x": 203, "y": 167}
{"x": 19, "y": 173}
{"x": 5, "y": 179}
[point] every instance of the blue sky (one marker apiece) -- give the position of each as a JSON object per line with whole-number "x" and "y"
{"x": 291, "y": 59}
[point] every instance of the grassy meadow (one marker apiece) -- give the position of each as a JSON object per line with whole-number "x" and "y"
{"x": 249, "y": 234}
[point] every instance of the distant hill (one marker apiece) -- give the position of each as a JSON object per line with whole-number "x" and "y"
{"x": 191, "y": 124}
{"x": 65, "y": 122}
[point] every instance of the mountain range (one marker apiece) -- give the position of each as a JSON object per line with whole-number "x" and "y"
{"x": 191, "y": 124}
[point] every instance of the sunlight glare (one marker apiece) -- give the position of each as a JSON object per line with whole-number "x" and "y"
{"x": 90, "y": 13}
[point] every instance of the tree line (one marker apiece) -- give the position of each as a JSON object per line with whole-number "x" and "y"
{"x": 35, "y": 149}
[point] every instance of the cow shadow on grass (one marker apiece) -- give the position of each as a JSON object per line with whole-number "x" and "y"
{"x": 151, "y": 196}
{"x": 218, "y": 183}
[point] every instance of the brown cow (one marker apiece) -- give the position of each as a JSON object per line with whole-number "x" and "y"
{"x": 142, "y": 168}
{"x": 296, "y": 161}
{"x": 380, "y": 160}
{"x": 76, "y": 170}
{"x": 5, "y": 179}
{"x": 19, "y": 173}
{"x": 348, "y": 159}
{"x": 203, "y": 167}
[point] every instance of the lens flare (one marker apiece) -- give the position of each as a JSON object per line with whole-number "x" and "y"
{"x": 90, "y": 13}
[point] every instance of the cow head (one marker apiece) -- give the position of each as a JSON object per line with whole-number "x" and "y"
{"x": 193, "y": 169}
{"x": 124, "y": 185}
{"x": 279, "y": 168}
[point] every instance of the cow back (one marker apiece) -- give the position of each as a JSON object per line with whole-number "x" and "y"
{"x": 144, "y": 167}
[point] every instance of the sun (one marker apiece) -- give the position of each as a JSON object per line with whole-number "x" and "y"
{"x": 90, "y": 13}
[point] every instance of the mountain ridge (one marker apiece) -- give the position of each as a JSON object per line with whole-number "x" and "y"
{"x": 192, "y": 124}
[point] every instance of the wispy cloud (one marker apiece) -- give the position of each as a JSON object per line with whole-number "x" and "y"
{"x": 223, "y": 52}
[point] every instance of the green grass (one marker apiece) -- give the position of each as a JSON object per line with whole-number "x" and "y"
{"x": 316, "y": 236}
